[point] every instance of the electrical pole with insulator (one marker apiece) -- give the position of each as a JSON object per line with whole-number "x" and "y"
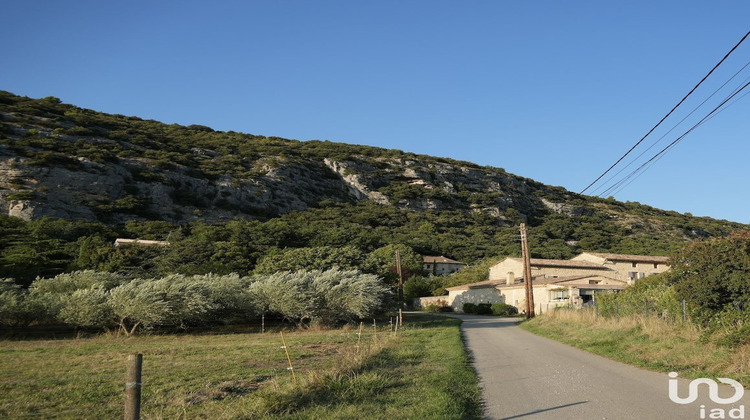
{"x": 527, "y": 273}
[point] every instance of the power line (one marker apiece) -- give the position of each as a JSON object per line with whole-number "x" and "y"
{"x": 668, "y": 114}
{"x": 737, "y": 91}
{"x": 708, "y": 118}
{"x": 603, "y": 185}
{"x": 661, "y": 153}
{"x": 677, "y": 140}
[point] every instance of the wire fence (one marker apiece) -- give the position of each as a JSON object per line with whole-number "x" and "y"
{"x": 57, "y": 388}
{"x": 673, "y": 312}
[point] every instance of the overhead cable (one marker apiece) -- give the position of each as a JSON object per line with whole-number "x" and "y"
{"x": 668, "y": 114}
{"x": 604, "y": 184}
{"x": 677, "y": 140}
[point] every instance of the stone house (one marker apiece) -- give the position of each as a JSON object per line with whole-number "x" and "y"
{"x": 549, "y": 292}
{"x": 557, "y": 282}
{"x": 627, "y": 267}
{"x": 623, "y": 267}
{"x": 437, "y": 266}
{"x": 512, "y": 267}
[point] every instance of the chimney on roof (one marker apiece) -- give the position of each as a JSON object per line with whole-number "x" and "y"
{"x": 511, "y": 278}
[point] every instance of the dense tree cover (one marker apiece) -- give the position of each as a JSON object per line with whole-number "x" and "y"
{"x": 712, "y": 277}
{"x": 360, "y": 235}
{"x": 99, "y": 300}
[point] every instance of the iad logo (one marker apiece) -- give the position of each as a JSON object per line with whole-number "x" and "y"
{"x": 713, "y": 393}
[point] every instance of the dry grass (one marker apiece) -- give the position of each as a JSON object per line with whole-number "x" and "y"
{"x": 648, "y": 342}
{"x": 423, "y": 370}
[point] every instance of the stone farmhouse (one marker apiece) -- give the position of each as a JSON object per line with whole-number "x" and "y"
{"x": 622, "y": 267}
{"x": 437, "y": 266}
{"x": 555, "y": 282}
{"x": 627, "y": 267}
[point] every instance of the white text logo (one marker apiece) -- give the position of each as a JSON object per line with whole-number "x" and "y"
{"x": 713, "y": 390}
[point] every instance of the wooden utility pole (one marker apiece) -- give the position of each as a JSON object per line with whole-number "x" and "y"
{"x": 133, "y": 387}
{"x": 400, "y": 287}
{"x": 527, "y": 273}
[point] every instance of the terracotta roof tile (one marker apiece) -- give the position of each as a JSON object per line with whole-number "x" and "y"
{"x": 440, "y": 260}
{"x": 630, "y": 258}
{"x": 538, "y": 281}
{"x": 541, "y": 262}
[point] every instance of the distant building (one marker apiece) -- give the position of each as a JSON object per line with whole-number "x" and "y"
{"x": 549, "y": 292}
{"x": 139, "y": 242}
{"x": 627, "y": 267}
{"x": 513, "y": 267}
{"x": 437, "y": 266}
{"x": 571, "y": 282}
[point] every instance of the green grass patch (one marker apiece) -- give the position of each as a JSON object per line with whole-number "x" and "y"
{"x": 651, "y": 343}
{"x": 423, "y": 372}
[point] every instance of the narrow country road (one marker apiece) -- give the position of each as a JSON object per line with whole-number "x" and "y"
{"x": 524, "y": 376}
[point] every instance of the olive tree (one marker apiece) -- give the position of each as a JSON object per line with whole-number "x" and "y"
{"x": 347, "y": 295}
{"x": 320, "y": 296}
{"x": 87, "y": 308}
{"x": 50, "y": 292}
{"x": 188, "y": 300}
{"x": 139, "y": 303}
{"x": 231, "y": 296}
{"x": 17, "y": 309}
{"x": 286, "y": 293}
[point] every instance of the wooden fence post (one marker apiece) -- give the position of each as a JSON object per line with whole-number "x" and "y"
{"x": 684, "y": 310}
{"x": 133, "y": 387}
{"x": 288, "y": 358}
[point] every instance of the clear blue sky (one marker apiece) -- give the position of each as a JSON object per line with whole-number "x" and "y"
{"x": 551, "y": 90}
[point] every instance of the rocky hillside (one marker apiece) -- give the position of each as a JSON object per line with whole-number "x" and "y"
{"x": 61, "y": 161}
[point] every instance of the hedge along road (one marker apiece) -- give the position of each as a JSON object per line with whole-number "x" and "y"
{"x": 524, "y": 376}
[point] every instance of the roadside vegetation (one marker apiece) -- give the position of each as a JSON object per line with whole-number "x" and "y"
{"x": 422, "y": 371}
{"x": 99, "y": 301}
{"x": 470, "y": 222}
{"x": 694, "y": 319}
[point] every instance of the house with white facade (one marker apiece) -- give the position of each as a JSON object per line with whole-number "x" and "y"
{"x": 556, "y": 282}
{"x": 437, "y": 266}
{"x": 627, "y": 267}
{"x": 549, "y": 292}
{"x": 513, "y": 267}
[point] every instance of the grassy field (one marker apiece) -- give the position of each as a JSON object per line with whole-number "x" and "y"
{"x": 650, "y": 343}
{"x": 423, "y": 372}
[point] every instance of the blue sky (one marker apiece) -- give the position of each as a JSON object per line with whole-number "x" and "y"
{"x": 550, "y": 90}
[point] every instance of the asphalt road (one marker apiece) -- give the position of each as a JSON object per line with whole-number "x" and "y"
{"x": 524, "y": 376}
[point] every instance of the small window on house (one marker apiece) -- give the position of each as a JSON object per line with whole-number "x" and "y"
{"x": 632, "y": 275}
{"x": 635, "y": 265}
{"x": 559, "y": 294}
{"x": 594, "y": 281}
{"x": 656, "y": 265}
